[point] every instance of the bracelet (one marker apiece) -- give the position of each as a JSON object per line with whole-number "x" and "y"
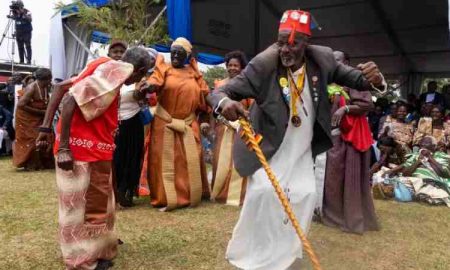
{"x": 45, "y": 129}
{"x": 347, "y": 109}
{"x": 216, "y": 110}
{"x": 63, "y": 149}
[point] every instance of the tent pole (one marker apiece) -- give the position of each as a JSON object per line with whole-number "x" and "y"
{"x": 79, "y": 41}
{"x": 152, "y": 24}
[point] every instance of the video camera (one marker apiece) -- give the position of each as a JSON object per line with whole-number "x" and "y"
{"x": 15, "y": 5}
{"x": 14, "y": 8}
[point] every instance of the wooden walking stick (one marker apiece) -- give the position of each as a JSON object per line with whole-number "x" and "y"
{"x": 252, "y": 140}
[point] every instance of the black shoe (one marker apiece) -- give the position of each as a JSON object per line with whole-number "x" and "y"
{"x": 129, "y": 197}
{"x": 104, "y": 264}
{"x": 124, "y": 201}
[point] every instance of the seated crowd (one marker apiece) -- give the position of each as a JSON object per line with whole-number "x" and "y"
{"x": 413, "y": 146}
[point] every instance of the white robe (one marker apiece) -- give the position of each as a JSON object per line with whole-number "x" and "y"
{"x": 262, "y": 240}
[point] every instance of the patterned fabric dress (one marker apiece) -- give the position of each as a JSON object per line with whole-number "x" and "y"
{"x": 227, "y": 185}
{"x": 425, "y": 128}
{"x": 348, "y": 202}
{"x": 425, "y": 171}
{"x": 86, "y": 197}
{"x": 24, "y": 147}
{"x": 403, "y": 134}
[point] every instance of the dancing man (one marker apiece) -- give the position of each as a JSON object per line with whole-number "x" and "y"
{"x": 288, "y": 82}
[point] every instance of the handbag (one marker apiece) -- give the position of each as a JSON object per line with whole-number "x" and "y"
{"x": 145, "y": 115}
{"x": 401, "y": 192}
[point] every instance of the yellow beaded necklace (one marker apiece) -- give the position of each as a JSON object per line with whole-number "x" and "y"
{"x": 296, "y": 92}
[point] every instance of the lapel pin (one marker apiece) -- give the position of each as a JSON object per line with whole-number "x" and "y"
{"x": 314, "y": 80}
{"x": 283, "y": 82}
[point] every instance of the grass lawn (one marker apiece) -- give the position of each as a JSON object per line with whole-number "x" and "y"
{"x": 413, "y": 236}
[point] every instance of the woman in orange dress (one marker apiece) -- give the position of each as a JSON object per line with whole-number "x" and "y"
{"x": 176, "y": 173}
{"x": 227, "y": 186}
{"x": 29, "y": 116}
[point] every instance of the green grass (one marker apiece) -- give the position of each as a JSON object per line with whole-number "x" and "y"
{"x": 413, "y": 236}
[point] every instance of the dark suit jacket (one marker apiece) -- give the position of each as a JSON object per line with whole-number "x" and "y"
{"x": 270, "y": 113}
{"x": 438, "y": 99}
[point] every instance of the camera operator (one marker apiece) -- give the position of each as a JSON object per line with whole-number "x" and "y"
{"x": 22, "y": 19}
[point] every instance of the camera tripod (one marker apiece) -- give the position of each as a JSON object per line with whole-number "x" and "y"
{"x": 10, "y": 33}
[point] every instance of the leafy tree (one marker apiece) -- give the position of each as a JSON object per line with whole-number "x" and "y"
{"x": 124, "y": 20}
{"x": 214, "y": 73}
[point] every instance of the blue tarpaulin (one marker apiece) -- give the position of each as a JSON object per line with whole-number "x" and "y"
{"x": 100, "y": 37}
{"x": 161, "y": 48}
{"x": 179, "y": 18}
{"x": 210, "y": 59}
{"x": 97, "y": 3}
{"x": 69, "y": 9}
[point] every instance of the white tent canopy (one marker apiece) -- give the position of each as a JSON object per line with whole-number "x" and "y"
{"x": 69, "y": 46}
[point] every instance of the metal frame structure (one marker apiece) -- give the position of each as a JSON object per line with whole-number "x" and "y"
{"x": 407, "y": 39}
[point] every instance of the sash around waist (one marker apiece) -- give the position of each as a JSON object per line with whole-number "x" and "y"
{"x": 179, "y": 125}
